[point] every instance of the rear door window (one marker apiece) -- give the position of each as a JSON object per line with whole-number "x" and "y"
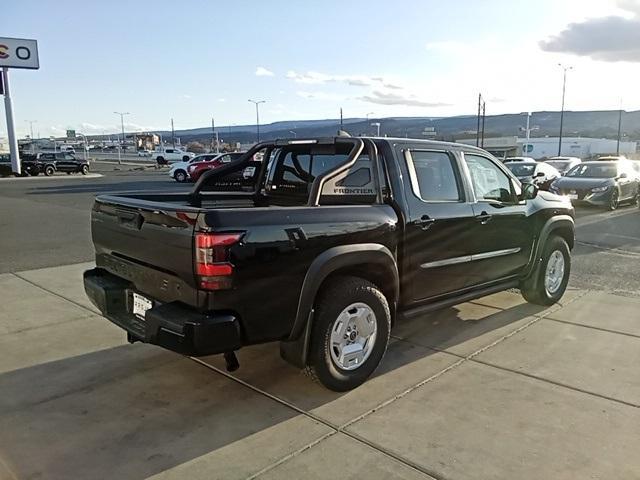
{"x": 434, "y": 176}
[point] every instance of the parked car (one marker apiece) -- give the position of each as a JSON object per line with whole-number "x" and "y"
{"x": 519, "y": 159}
{"x": 601, "y": 183}
{"x": 179, "y": 170}
{"x": 539, "y": 173}
{"x": 68, "y": 149}
{"x": 165, "y": 156}
{"x": 61, "y": 162}
{"x": 29, "y": 164}
{"x": 563, "y": 164}
{"x": 195, "y": 170}
{"x": 145, "y": 153}
{"x": 334, "y": 240}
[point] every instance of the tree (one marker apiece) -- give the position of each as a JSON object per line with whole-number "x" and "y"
{"x": 195, "y": 147}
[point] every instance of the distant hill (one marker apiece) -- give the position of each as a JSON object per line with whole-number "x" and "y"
{"x": 600, "y": 124}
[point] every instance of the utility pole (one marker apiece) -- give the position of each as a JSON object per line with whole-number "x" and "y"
{"x": 257, "y": 104}
{"x": 619, "y": 129}
{"x": 483, "y": 117}
{"x": 341, "y": 124}
{"x": 122, "y": 114}
{"x": 11, "y": 131}
{"x": 564, "y": 87}
{"x": 173, "y": 136}
{"x": 478, "y": 120}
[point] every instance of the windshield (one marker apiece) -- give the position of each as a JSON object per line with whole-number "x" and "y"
{"x": 559, "y": 164}
{"x": 520, "y": 170}
{"x": 594, "y": 171}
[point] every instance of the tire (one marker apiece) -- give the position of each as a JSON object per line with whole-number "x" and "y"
{"x": 614, "y": 201}
{"x": 180, "y": 176}
{"x": 160, "y": 161}
{"x": 68, "y": 173}
{"x": 186, "y": 158}
{"x": 84, "y": 170}
{"x": 35, "y": 173}
{"x": 537, "y": 289}
{"x": 341, "y": 302}
{"x": 49, "y": 170}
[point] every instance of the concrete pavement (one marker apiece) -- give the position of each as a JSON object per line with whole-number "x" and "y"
{"x": 494, "y": 388}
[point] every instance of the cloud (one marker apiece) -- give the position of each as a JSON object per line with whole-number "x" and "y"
{"x": 610, "y": 39}
{"x": 264, "y": 72}
{"x": 309, "y": 77}
{"x": 388, "y": 98}
{"x": 320, "y": 95}
{"x": 222, "y": 100}
{"x": 317, "y": 78}
{"x": 392, "y": 86}
{"x": 185, "y": 96}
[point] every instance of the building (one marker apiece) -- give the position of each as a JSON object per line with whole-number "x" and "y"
{"x": 580, "y": 147}
{"x": 4, "y": 145}
{"x": 545, "y": 147}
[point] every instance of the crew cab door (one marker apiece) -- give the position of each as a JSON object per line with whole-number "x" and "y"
{"x": 437, "y": 242}
{"x": 502, "y": 235}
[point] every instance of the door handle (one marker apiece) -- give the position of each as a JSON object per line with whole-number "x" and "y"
{"x": 425, "y": 222}
{"x": 484, "y": 218}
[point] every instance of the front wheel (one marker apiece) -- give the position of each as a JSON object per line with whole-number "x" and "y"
{"x": 186, "y": 158}
{"x": 547, "y": 285}
{"x": 49, "y": 170}
{"x": 614, "y": 201}
{"x": 350, "y": 333}
{"x": 85, "y": 169}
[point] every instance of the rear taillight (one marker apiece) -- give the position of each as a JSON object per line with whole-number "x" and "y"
{"x": 212, "y": 265}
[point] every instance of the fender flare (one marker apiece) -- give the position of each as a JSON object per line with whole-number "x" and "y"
{"x": 295, "y": 348}
{"x": 554, "y": 223}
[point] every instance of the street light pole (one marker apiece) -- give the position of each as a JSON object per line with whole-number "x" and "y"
{"x": 33, "y": 145}
{"x": 367, "y": 122}
{"x": 122, "y": 114}
{"x": 257, "y": 103}
{"x": 564, "y": 87}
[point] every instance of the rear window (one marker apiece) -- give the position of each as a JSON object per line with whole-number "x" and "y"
{"x": 296, "y": 171}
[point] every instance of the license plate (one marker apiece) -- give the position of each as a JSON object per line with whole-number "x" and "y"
{"x": 141, "y": 305}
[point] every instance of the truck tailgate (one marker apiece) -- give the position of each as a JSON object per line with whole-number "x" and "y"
{"x": 149, "y": 245}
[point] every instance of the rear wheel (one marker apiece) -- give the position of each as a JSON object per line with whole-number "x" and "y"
{"x": 180, "y": 176}
{"x": 85, "y": 169}
{"x": 185, "y": 158}
{"x": 161, "y": 161}
{"x": 68, "y": 173}
{"x": 350, "y": 333}
{"x": 547, "y": 285}
{"x": 49, "y": 170}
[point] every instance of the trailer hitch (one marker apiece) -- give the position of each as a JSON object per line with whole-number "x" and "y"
{"x": 231, "y": 361}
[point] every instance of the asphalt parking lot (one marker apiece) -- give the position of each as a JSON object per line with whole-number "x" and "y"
{"x": 494, "y": 388}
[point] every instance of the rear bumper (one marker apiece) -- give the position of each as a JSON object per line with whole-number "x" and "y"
{"x": 173, "y": 325}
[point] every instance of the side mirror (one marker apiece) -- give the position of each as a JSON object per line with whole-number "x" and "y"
{"x": 623, "y": 175}
{"x": 529, "y": 191}
{"x": 540, "y": 174}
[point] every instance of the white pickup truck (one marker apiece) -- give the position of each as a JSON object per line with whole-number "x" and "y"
{"x": 168, "y": 155}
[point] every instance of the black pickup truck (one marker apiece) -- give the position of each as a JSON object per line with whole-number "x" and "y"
{"x": 321, "y": 246}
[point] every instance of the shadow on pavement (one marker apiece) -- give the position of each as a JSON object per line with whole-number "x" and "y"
{"x": 126, "y": 412}
{"x": 136, "y": 410}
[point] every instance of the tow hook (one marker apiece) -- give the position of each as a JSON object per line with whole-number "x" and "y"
{"x": 232, "y": 361}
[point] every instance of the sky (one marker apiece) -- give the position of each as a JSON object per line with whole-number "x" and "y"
{"x": 193, "y": 60}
